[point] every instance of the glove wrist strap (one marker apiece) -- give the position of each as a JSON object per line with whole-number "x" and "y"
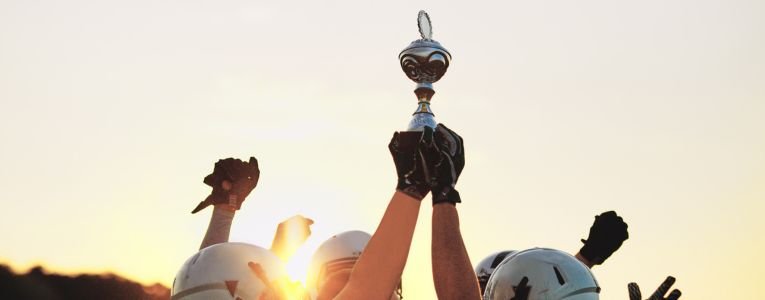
{"x": 592, "y": 254}
{"x": 413, "y": 190}
{"x": 446, "y": 194}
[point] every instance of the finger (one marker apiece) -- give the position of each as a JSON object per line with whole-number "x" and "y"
{"x": 209, "y": 180}
{"x": 462, "y": 145}
{"x": 451, "y": 135}
{"x": 261, "y": 274}
{"x": 448, "y": 141}
{"x": 663, "y": 288}
{"x": 301, "y": 219}
{"x": 202, "y": 205}
{"x": 674, "y": 295}
{"x": 451, "y": 132}
{"x": 449, "y": 167}
{"x": 441, "y": 137}
{"x": 427, "y": 135}
{"x": 454, "y": 135}
{"x": 393, "y": 145}
{"x": 634, "y": 291}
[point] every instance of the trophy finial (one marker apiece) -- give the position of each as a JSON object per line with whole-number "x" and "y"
{"x": 423, "y": 22}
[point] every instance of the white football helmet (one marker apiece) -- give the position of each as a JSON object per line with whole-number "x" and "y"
{"x": 337, "y": 254}
{"x": 552, "y": 275}
{"x": 487, "y": 265}
{"x": 221, "y": 271}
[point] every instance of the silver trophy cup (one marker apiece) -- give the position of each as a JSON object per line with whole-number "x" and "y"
{"x": 424, "y": 61}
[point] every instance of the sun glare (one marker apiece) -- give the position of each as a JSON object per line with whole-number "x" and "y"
{"x": 297, "y": 266}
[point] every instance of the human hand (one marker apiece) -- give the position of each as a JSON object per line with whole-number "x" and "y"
{"x": 290, "y": 235}
{"x": 232, "y": 181}
{"x": 448, "y": 167}
{"x": 413, "y": 152}
{"x": 634, "y": 291}
{"x": 607, "y": 234}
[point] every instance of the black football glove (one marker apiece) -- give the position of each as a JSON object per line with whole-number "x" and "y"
{"x": 232, "y": 181}
{"x": 634, "y": 291}
{"x": 607, "y": 234}
{"x": 413, "y": 152}
{"x": 449, "y": 166}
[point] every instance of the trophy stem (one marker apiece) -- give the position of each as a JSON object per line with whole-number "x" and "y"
{"x": 423, "y": 116}
{"x": 424, "y": 91}
{"x": 423, "y": 108}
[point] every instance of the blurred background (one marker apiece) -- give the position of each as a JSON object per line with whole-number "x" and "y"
{"x": 114, "y": 111}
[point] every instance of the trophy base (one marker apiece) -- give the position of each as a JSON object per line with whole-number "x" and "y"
{"x": 420, "y": 120}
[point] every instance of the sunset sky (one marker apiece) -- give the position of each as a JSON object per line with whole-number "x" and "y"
{"x": 113, "y": 112}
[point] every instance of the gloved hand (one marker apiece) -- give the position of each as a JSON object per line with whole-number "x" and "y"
{"x": 634, "y": 291}
{"x": 232, "y": 181}
{"x": 448, "y": 167}
{"x": 412, "y": 152}
{"x": 607, "y": 234}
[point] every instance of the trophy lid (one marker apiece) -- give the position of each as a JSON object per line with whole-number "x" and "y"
{"x": 424, "y": 45}
{"x": 426, "y": 42}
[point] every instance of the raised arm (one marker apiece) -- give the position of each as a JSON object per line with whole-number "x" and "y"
{"x": 453, "y": 274}
{"x": 232, "y": 181}
{"x": 220, "y": 226}
{"x": 378, "y": 270}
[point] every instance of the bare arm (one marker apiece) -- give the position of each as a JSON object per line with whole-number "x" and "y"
{"x": 232, "y": 181}
{"x": 453, "y": 273}
{"x": 220, "y": 225}
{"x": 379, "y": 268}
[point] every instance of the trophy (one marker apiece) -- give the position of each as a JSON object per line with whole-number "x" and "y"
{"x": 424, "y": 61}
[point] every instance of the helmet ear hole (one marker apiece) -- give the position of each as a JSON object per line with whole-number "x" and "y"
{"x": 499, "y": 258}
{"x": 561, "y": 281}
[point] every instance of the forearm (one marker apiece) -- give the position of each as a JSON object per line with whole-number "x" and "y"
{"x": 453, "y": 273}
{"x": 378, "y": 270}
{"x": 584, "y": 260}
{"x": 220, "y": 226}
